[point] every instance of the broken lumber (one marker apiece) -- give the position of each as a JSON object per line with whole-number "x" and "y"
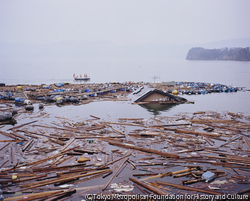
{"x": 60, "y": 142}
{"x": 189, "y": 188}
{"x": 34, "y": 196}
{"x": 69, "y": 143}
{"x": 27, "y": 145}
{"x": 243, "y": 191}
{"x": 208, "y": 141}
{"x": 59, "y": 195}
{"x": 114, "y": 174}
{"x": 4, "y": 146}
{"x": 43, "y": 183}
{"x": 149, "y": 187}
{"x": 147, "y": 174}
{"x": 218, "y": 121}
{"x": 111, "y": 162}
{"x": 18, "y": 135}
{"x": 195, "y": 132}
{"x": 8, "y": 135}
{"x": 231, "y": 140}
{"x": 130, "y": 146}
{"x": 11, "y": 140}
{"x": 12, "y": 154}
{"x": 117, "y": 130}
{"x": 247, "y": 143}
{"x": 22, "y": 125}
{"x": 95, "y": 117}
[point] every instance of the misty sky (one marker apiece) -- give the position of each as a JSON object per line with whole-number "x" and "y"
{"x": 124, "y": 21}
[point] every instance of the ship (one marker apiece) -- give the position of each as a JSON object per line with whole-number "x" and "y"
{"x": 85, "y": 77}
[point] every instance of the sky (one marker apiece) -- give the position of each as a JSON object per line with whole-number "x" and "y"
{"x": 124, "y": 21}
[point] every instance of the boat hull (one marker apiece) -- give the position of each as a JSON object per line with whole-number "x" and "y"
{"x": 82, "y": 78}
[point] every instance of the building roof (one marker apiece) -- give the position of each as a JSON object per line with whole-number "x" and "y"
{"x": 145, "y": 91}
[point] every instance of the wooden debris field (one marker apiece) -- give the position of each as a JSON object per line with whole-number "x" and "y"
{"x": 56, "y": 158}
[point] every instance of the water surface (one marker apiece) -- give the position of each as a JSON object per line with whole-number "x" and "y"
{"x": 49, "y": 71}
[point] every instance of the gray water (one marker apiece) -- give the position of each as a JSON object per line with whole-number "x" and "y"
{"x": 37, "y": 71}
{"x": 49, "y": 71}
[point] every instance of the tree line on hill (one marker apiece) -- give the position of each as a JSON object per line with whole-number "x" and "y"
{"x": 235, "y": 54}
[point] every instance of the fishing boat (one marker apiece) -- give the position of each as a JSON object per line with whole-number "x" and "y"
{"x": 85, "y": 77}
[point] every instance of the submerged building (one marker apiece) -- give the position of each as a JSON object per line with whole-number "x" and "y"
{"x": 146, "y": 94}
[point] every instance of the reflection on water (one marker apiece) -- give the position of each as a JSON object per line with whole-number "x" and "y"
{"x": 80, "y": 81}
{"x": 156, "y": 109}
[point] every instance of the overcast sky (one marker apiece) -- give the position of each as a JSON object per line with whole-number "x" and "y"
{"x": 124, "y": 21}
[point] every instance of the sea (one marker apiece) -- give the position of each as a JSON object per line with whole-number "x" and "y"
{"x": 50, "y": 71}
{"x": 105, "y": 70}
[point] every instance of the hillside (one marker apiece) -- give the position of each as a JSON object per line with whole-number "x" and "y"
{"x": 235, "y": 54}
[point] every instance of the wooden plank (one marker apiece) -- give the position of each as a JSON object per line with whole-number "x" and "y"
{"x": 149, "y": 187}
{"x": 182, "y": 175}
{"x": 12, "y": 154}
{"x": 4, "y": 146}
{"x": 55, "y": 161}
{"x": 193, "y": 181}
{"x": 38, "y": 184}
{"x": 48, "y": 136}
{"x": 111, "y": 162}
{"x": 59, "y": 195}
{"x": 114, "y": 174}
{"x": 34, "y": 195}
{"x": 28, "y": 179}
{"x": 27, "y": 145}
{"x": 130, "y": 119}
{"x": 35, "y": 135}
{"x": 183, "y": 171}
{"x": 11, "y": 140}
{"x": 147, "y": 174}
{"x": 117, "y": 130}
{"x": 189, "y": 188}
{"x": 170, "y": 124}
{"x": 60, "y": 142}
{"x": 18, "y": 135}
{"x": 240, "y": 143}
{"x": 243, "y": 191}
{"x": 231, "y": 140}
{"x": 197, "y": 133}
{"x": 22, "y": 125}
{"x": 4, "y": 163}
{"x": 127, "y": 124}
{"x": 34, "y": 162}
{"x": 95, "y": 117}
{"x": 8, "y": 135}
{"x": 130, "y": 146}
{"x": 218, "y": 121}
{"x": 247, "y": 143}
{"x": 208, "y": 141}
{"x": 69, "y": 143}
{"x": 132, "y": 164}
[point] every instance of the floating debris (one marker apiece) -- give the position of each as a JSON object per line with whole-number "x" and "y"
{"x": 58, "y": 157}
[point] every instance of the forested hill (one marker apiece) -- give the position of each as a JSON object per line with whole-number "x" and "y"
{"x": 236, "y": 54}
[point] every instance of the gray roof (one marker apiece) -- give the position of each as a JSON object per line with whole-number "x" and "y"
{"x": 145, "y": 91}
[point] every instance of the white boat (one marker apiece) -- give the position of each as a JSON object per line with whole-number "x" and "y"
{"x": 85, "y": 77}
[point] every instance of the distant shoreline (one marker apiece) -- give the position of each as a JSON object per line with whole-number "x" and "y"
{"x": 230, "y": 54}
